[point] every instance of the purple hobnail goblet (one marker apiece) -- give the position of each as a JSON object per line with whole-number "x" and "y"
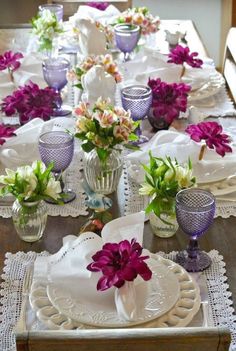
{"x": 57, "y": 9}
{"x": 137, "y": 99}
{"x": 126, "y": 37}
{"x": 195, "y": 209}
{"x": 54, "y": 72}
{"x": 58, "y": 147}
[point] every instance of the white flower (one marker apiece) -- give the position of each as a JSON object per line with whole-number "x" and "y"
{"x": 53, "y": 188}
{"x": 146, "y": 189}
{"x": 184, "y": 176}
{"x": 9, "y": 178}
{"x": 27, "y": 173}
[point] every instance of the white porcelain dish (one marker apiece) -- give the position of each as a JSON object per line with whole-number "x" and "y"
{"x": 180, "y": 315}
{"x": 210, "y": 88}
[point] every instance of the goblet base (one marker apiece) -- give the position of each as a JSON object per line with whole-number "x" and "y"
{"x": 196, "y": 264}
{"x": 64, "y": 111}
{"x": 67, "y": 196}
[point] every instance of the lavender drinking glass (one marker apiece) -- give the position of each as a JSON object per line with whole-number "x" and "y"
{"x": 57, "y": 9}
{"x": 137, "y": 99}
{"x": 58, "y": 147}
{"x": 126, "y": 37}
{"x": 54, "y": 72}
{"x": 195, "y": 209}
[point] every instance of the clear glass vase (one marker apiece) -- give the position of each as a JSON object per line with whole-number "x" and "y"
{"x": 164, "y": 227}
{"x": 29, "y": 219}
{"x": 103, "y": 179}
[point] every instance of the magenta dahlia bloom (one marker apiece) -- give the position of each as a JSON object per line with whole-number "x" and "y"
{"x": 168, "y": 99}
{"x": 179, "y": 55}
{"x": 212, "y": 133}
{"x": 6, "y": 132}
{"x": 98, "y": 5}
{"x": 30, "y": 102}
{"x": 119, "y": 263}
{"x": 10, "y": 61}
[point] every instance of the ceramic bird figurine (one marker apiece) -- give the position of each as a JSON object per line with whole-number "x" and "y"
{"x": 96, "y": 202}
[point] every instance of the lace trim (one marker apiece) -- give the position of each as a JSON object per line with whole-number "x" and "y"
{"x": 17, "y": 264}
{"x": 73, "y": 178}
{"x": 135, "y": 202}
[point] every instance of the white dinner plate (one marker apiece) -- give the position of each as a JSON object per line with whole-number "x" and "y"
{"x": 211, "y": 87}
{"x": 157, "y": 298}
{"x": 180, "y": 315}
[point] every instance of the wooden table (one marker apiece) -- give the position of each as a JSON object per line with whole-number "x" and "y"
{"x": 220, "y": 236}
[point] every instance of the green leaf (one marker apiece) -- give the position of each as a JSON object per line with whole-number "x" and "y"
{"x": 88, "y": 146}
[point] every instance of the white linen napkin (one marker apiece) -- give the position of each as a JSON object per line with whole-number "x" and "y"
{"x": 30, "y": 69}
{"x": 91, "y": 40}
{"x": 23, "y": 148}
{"x": 71, "y": 275}
{"x": 179, "y": 145}
{"x": 96, "y": 82}
{"x": 155, "y": 65}
{"x": 103, "y": 17}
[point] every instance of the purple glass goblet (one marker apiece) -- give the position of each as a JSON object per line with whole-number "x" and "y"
{"x": 58, "y": 147}
{"x": 57, "y": 9}
{"x": 126, "y": 37}
{"x": 195, "y": 209}
{"x": 137, "y": 99}
{"x": 54, "y": 72}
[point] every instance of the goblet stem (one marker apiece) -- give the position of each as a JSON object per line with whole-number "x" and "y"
{"x": 127, "y": 56}
{"x": 193, "y": 249}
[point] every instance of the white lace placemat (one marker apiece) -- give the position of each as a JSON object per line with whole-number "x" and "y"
{"x": 16, "y": 266}
{"x": 135, "y": 202}
{"x": 72, "y": 179}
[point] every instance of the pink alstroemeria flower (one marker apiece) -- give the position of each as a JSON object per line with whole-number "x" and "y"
{"x": 119, "y": 263}
{"x": 98, "y": 5}
{"x": 6, "y": 132}
{"x": 179, "y": 55}
{"x": 212, "y": 134}
{"x": 10, "y": 61}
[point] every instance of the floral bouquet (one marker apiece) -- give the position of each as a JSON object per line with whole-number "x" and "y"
{"x": 141, "y": 17}
{"x": 164, "y": 178}
{"x": 103, "y": 127}
{"x": 29, "y": 185}
{"x": 98, "y": 5}
{"x": 212, "y": 135}
{"x": 46, "y": 27}
{"x": 10, "y": 61}
{"x": 181, "y": 55}
{"x": 30, "y": 102}
{"x": 118, "y": 263}
{"x": 109, "y": 34}
{"x": 168, "y": 100}
{"x": 106, "y": 61}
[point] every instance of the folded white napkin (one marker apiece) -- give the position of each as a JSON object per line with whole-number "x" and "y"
{"x": 91, "y": 40}
{"x": 30, "y": 69}
{"x": 104, "y": 17}
{"x": 96, "y": 82}
{"x": 71, "y": 276}
{"x": 155, "y": 65}
{"x": 23, "y": 148}
{"x": 179, "y": 145}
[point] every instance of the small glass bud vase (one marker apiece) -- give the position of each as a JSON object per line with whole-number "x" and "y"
{"x": 165, "y": 226}
{"x": 103, "y": 178}
{"x": 29, "y": 219}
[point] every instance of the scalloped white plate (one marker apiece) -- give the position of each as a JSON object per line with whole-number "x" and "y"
{"x": 179, "y": 315}
{"x": 210, "y": 88}
{"x": 223, "y": 187}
